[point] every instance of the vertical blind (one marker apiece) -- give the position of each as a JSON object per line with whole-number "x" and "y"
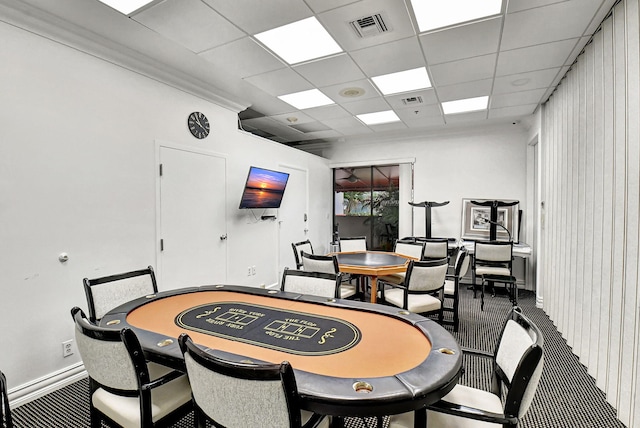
{"x": 591, "y": 189}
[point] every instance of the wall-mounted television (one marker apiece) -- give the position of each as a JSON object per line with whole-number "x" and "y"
{"x": 264, "y": 188}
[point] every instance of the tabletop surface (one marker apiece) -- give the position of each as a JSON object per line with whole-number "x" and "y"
{"x": 371, "y": 259}
{"x": 405, "y": 361}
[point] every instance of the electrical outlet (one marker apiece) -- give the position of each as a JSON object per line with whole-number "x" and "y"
{"x": 249, "y": 271}
{"x": 67, "y": 348}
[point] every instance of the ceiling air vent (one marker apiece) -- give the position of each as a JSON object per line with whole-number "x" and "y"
{"x": 369, "y": 26}
{"x": 411, "y": 101}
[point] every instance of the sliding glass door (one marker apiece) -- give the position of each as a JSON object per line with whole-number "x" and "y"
{"x": 366, "y": 204}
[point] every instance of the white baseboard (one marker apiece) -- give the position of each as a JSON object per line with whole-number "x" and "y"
{"x": 37, "y": 388}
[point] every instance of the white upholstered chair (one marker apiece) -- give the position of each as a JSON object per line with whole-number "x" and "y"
{"x": 517, "y": 367}
{"x": 493, "y": 263}
{"x": 312, "y": 283}
{"x": 123, "y": 388}
{"x": 244, "y": 394}
{"x": 108, "y": 292}
{"x": 298, "y": 248}
{"x": 327, "y": 264}
{"x": 408, "y": 248}
{"x": 434, "y": 248}
{"x": 353, "y": 244}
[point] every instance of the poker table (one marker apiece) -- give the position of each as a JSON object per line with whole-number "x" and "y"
{"x": 350, "y": 358}
{"x": 372, "y": 264}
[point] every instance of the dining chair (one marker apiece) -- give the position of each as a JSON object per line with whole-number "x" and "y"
{"x": 298, "y": 248}
{"x": 6, "y": 419}
{"x": 493, "y": 263}
{"x": 240, "y": 394}
{"x": 517, "y": 364}
{"x": 327, "y": 264}
{"x": 434, "y": 248}
{"x": 353, "y": 244}
{"x": 123, "y": 388}
{"x": 423, "y": 289}
{"x": 407, "y": 247}
{"x": 452, "y": 287}
{"x": 108, "y": 292}
{"x": 314, "y": 283}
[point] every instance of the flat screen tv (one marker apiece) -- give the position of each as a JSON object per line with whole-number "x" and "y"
{"x": 264, "y": 188}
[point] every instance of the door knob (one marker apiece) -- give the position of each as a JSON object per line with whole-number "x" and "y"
{"x": 223, "y": 237}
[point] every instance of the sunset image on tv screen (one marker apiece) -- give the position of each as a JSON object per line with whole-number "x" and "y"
{"x": 264, "y": 188}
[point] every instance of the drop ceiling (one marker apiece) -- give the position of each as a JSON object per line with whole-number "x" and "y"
{"x": 207, "y": 47}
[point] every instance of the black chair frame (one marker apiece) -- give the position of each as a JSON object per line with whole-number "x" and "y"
{"x": 5, "y": 410}
{"x": 296, "y": 253}
{"x": 145, "y": 384}
{"x": 251, "y": 371}
{"x": 460, "y": 260}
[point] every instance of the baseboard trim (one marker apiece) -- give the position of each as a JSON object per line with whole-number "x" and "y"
{"x": 37, "y": 388}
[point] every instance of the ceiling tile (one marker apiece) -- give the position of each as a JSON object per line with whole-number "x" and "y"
{"x": 419, "y": 112}
{"x": 464, "y": 70}
{"x": 524, "y": 81}
{"x": 324, "y": 5}
{"x": 367, "y": 106}
{"x": 330, "y": 71}
{"x": 466, "y": 41}
{"x": 517, "y": 98}
{"x": 323, "y": 113}
{"x": 334, "y": 91}
{"x": 297, "y": 115}
{"x": 280, "y": 82}
{"x": 465, "y": 117}
{"x": 398, "y": 55}
{"x": 460, "y": 91}
{"x": 255, "y": 16}
{"x": 391, "y": 126}
{"x": 520, "y": 5}
{"x": 394, "y": 13}
{"x": 561, "y": 21}
{"x": 243, "y": 57}
{"x": 424, "y": 122}
{"x": 344, "y": 123}
{"x": 537, "y": 57}
{"x": 514, "y": 111}
{"x": 190, "y": 23}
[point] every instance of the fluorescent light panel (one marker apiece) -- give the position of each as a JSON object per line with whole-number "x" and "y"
{"x": 379, "y": 117}
{"x": 432, "y": 14}
{"x": 306, "y": 99}
{"x": 126, "y": 6}
{"x": 465, "y": 105}
{"x": 300, "y": 41}
{"x": 403, "y": 81}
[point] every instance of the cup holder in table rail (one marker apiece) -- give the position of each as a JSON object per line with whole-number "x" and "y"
{"x": 273, "y": 291}
{"x": 447, "y": 351}
{"x": 149, "y": 296}
{"x": 165, "y": 342}
{"x": 362, "y": 387}
{"x": 113, "y": 322}
{"x": 404, "y": 312}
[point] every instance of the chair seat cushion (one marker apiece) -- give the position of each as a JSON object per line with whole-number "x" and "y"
{"x": 347, "y": 290}
{"x": 126, "y": 410}
{"x": 492, "y": 270}
{"x": 396, "y": 278}
{"x": 449, "y": 287}
{"x": 418, "y": 303}
{"x": 460, "y": 394}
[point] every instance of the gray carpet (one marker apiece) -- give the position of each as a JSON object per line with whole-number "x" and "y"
{"x": 566, "y": 397}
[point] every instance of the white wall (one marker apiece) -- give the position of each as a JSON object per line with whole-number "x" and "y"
{"x": 78, "y": 175}
{"x": 481, "y": 162}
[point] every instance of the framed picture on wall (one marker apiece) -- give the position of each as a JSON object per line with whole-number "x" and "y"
{"x": 475, "y": 221}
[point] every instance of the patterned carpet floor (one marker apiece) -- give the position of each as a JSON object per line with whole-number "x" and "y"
{"x": 566, "y": 397}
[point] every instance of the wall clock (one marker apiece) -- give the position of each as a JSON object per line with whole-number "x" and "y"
{"x": 198, "y": 125}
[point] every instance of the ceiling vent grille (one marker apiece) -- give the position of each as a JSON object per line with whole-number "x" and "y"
{"x": 411, "y": 101}
{"x": 369, "y": 26}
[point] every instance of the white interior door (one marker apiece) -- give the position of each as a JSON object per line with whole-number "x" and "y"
{"x": 192, "y": 219}
{"x": 293, "y": 225}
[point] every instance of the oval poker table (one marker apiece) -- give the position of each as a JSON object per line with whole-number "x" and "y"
{"x": 350, "y": 358}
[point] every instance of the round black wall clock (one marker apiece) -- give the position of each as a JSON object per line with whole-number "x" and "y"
{"x": 198, "y": 125}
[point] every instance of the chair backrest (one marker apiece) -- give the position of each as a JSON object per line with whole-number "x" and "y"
{"x": 426, "y": 276}
{"x": 313, "y": 283}
{"x": 5, "y": 410}
{"x": 435, "y": 248}
{"x": 518, "y": 362}
{"x": 462, "y": 264}
{"x": 112, "y": 358}
{"x": 298, "y": 248}
{"x": 493, "y": 251}
{"x": 353, "y": 244}
{"x": 108, "y": 292}
{"x": 241, "y": 394}
{"x": 414, "y": 250}
{"x": 318, "y": 263}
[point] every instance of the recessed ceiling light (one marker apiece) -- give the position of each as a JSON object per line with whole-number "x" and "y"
{"x": 300, "y": 41}
{"x": 379, "y": 117}
{"x": 465, "y": 105}
{"x": 521, "y": 82}
{"x": 306, "y": 99}
{"x": 432, "y": 14}
{"x": 403, "y": 81}
{"x": 352, "y": 92}
{"x": 126, "y": 6}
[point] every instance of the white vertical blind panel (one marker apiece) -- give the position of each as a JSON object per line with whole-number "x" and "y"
{"x": 628, "y": 363}
{"x": 619, "y": 202}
